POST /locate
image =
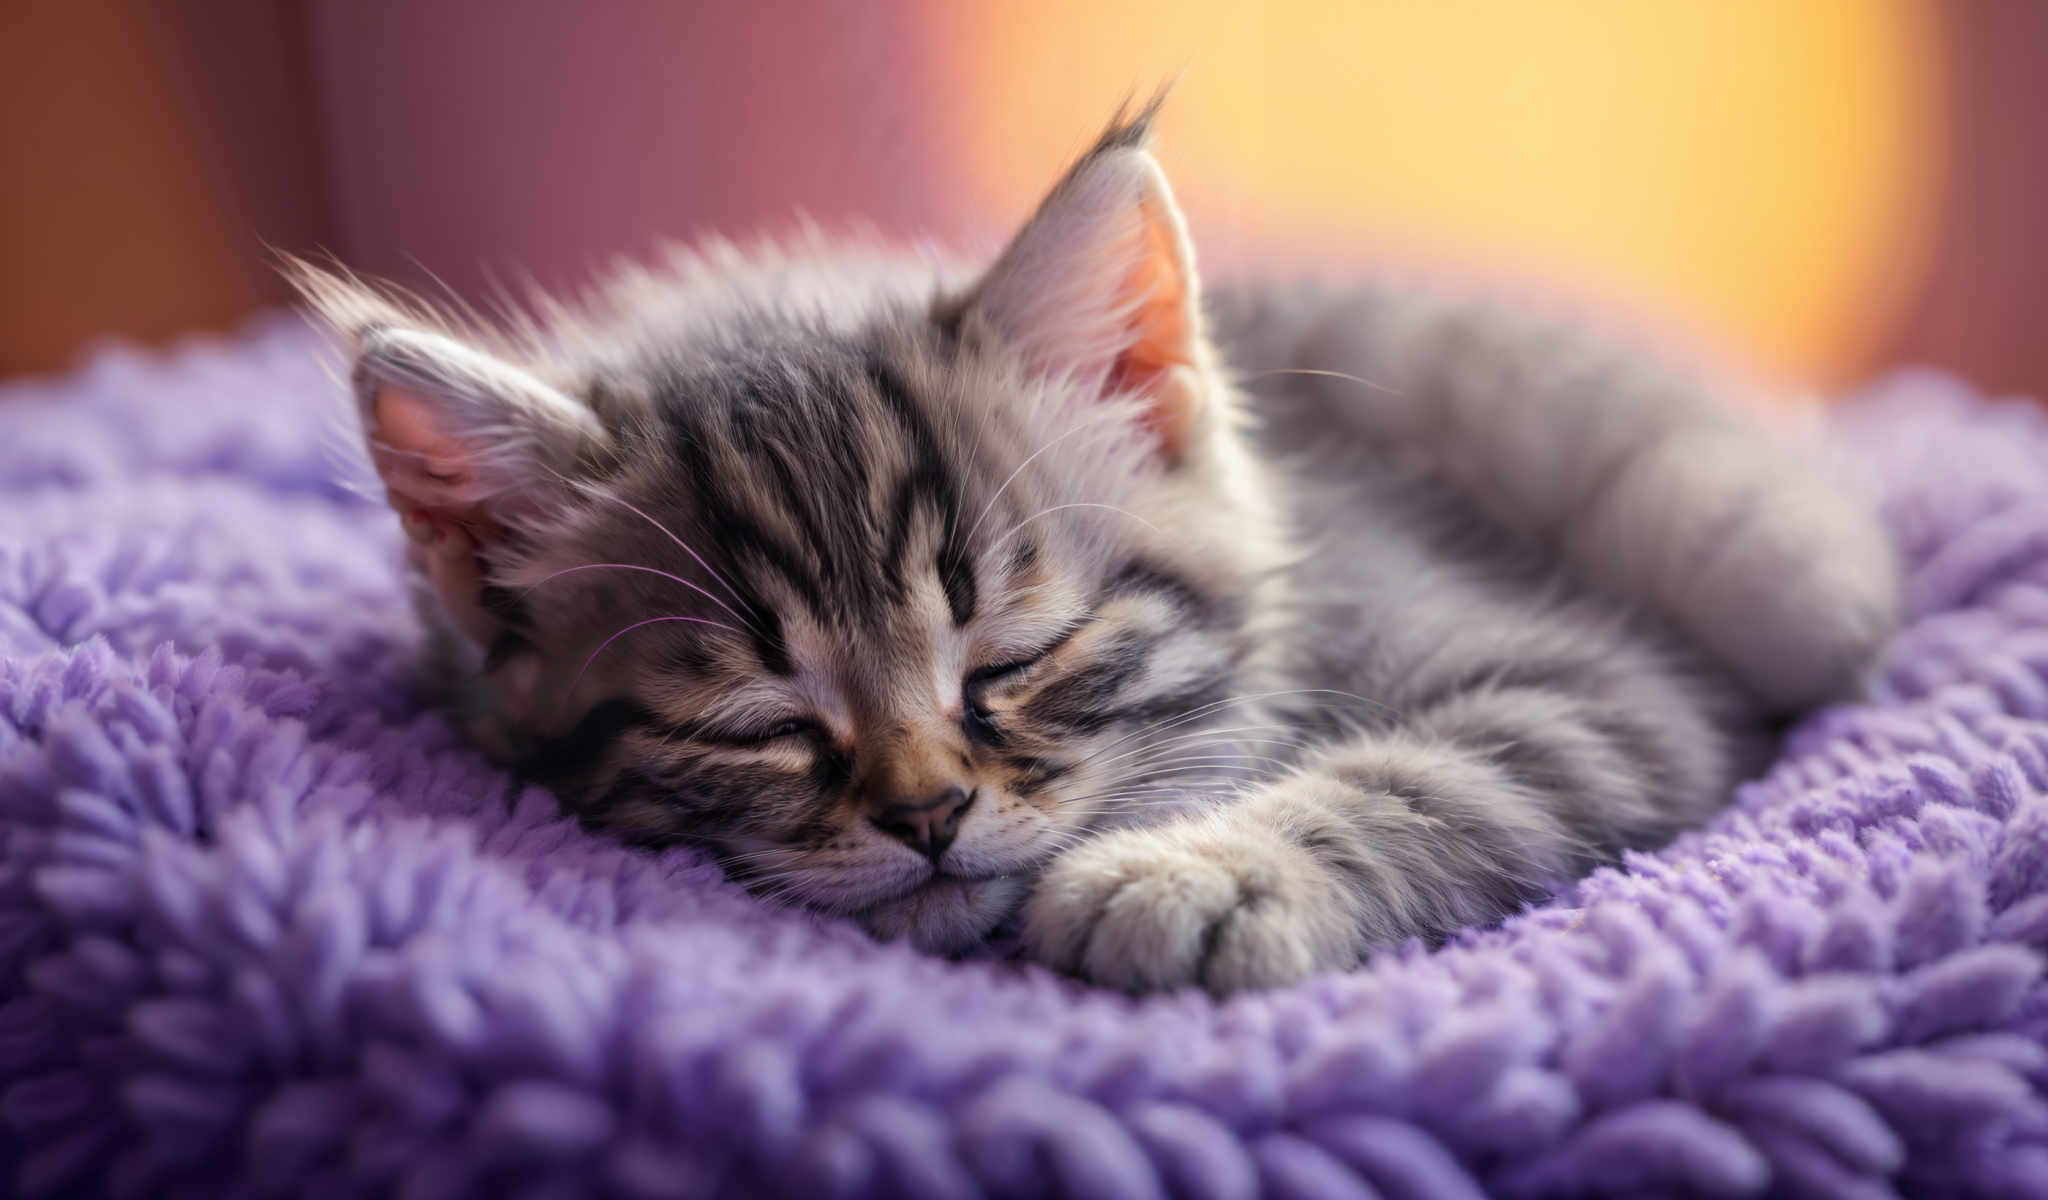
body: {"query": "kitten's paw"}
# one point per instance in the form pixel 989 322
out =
pixel 1210 903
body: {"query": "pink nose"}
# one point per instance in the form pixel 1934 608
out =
pixel 927 826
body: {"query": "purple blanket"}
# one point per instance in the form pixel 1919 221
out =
pixel 268 927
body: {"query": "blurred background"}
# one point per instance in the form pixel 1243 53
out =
pixel 1817 188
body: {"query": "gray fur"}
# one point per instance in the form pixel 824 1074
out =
pixel 1389 650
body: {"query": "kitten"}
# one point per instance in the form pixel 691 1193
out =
pixel 1227 637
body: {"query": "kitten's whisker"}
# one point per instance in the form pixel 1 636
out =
pixel 734 613
pixel 777 895
pixel 1143 798
pixel 1174 764
pixel 1111 805
pixel 698 558
pixel 1199 755
pixel 589 489
pixel 1043 512
pixel 795 891
pixel 780 887
pixel 1135 789
pixel 753 856
pixel 630 628
pixel 1248 765
pixel 1185 778
pixel 1260 765
pixel 1212 707
pixel 1220 736
pixel 1281 752
pixel 1378 387
pixel 990 506
pixel 1198 713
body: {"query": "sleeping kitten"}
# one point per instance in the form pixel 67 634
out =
pixel 1230 636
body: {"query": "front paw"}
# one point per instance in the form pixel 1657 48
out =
pixel 1207 902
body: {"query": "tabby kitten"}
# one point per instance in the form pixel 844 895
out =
pixel 1227 637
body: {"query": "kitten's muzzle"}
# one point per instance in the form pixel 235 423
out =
pixel 927 826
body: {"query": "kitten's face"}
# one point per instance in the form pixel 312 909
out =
pixel 942 625
pixel 882 587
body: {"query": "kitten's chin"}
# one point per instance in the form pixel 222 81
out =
pixel 946 916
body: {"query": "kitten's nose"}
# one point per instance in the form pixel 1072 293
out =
pixel 926 826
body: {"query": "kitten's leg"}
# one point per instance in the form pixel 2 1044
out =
pixel 1459 818
pixel 1634 471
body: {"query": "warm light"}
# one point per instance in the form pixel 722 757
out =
pixel 1758 171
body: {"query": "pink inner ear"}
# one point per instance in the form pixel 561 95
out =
pixel 429 481
pixel 427 473
pixel 413 454
pixel 1164 336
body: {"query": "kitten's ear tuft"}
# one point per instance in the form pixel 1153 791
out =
pixel 468 442
pixel 1100 285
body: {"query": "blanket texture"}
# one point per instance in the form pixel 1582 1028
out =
pixel 267 927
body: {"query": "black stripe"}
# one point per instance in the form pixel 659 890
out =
pixel 768 643
pixel 1138 577
pixel 947 312
pixel 1080 699
pixel 505 605
pixel 957 574
pixel 1248 898
pixel 982 731
pixel 1574 680
pixel 571 754
pixel 1561 775
pixel 755 797
pixel 902 511
pixel 896 398
pixel 738 539
pixel 1639 748
pixel 503 648
pixel 802 498
pixel 1036 771
pixel 930 479
pixel 1172 704
pixel 1332 849
pixel 1488 874
pixel 630 784
pixel 830 771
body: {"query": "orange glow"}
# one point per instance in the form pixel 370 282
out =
pixel 1757 173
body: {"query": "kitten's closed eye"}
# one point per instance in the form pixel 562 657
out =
pixel 764 733
pixel 1019 663
pixel 976 716
pixel 1001 670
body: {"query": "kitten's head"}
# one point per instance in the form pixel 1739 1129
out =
pixel 883 583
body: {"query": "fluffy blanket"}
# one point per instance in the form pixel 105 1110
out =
pixel 268 927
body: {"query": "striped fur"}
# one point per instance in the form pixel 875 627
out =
pixel 1356 662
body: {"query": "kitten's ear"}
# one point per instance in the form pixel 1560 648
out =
pixel 468 443
pixel 1100 286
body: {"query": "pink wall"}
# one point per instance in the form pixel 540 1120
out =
pixel 507 139
pixel 502 139
pixel 1980 308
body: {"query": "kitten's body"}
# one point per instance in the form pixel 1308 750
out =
pixel 919 597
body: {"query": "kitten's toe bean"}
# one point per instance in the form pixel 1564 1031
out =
pixel 1200 904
